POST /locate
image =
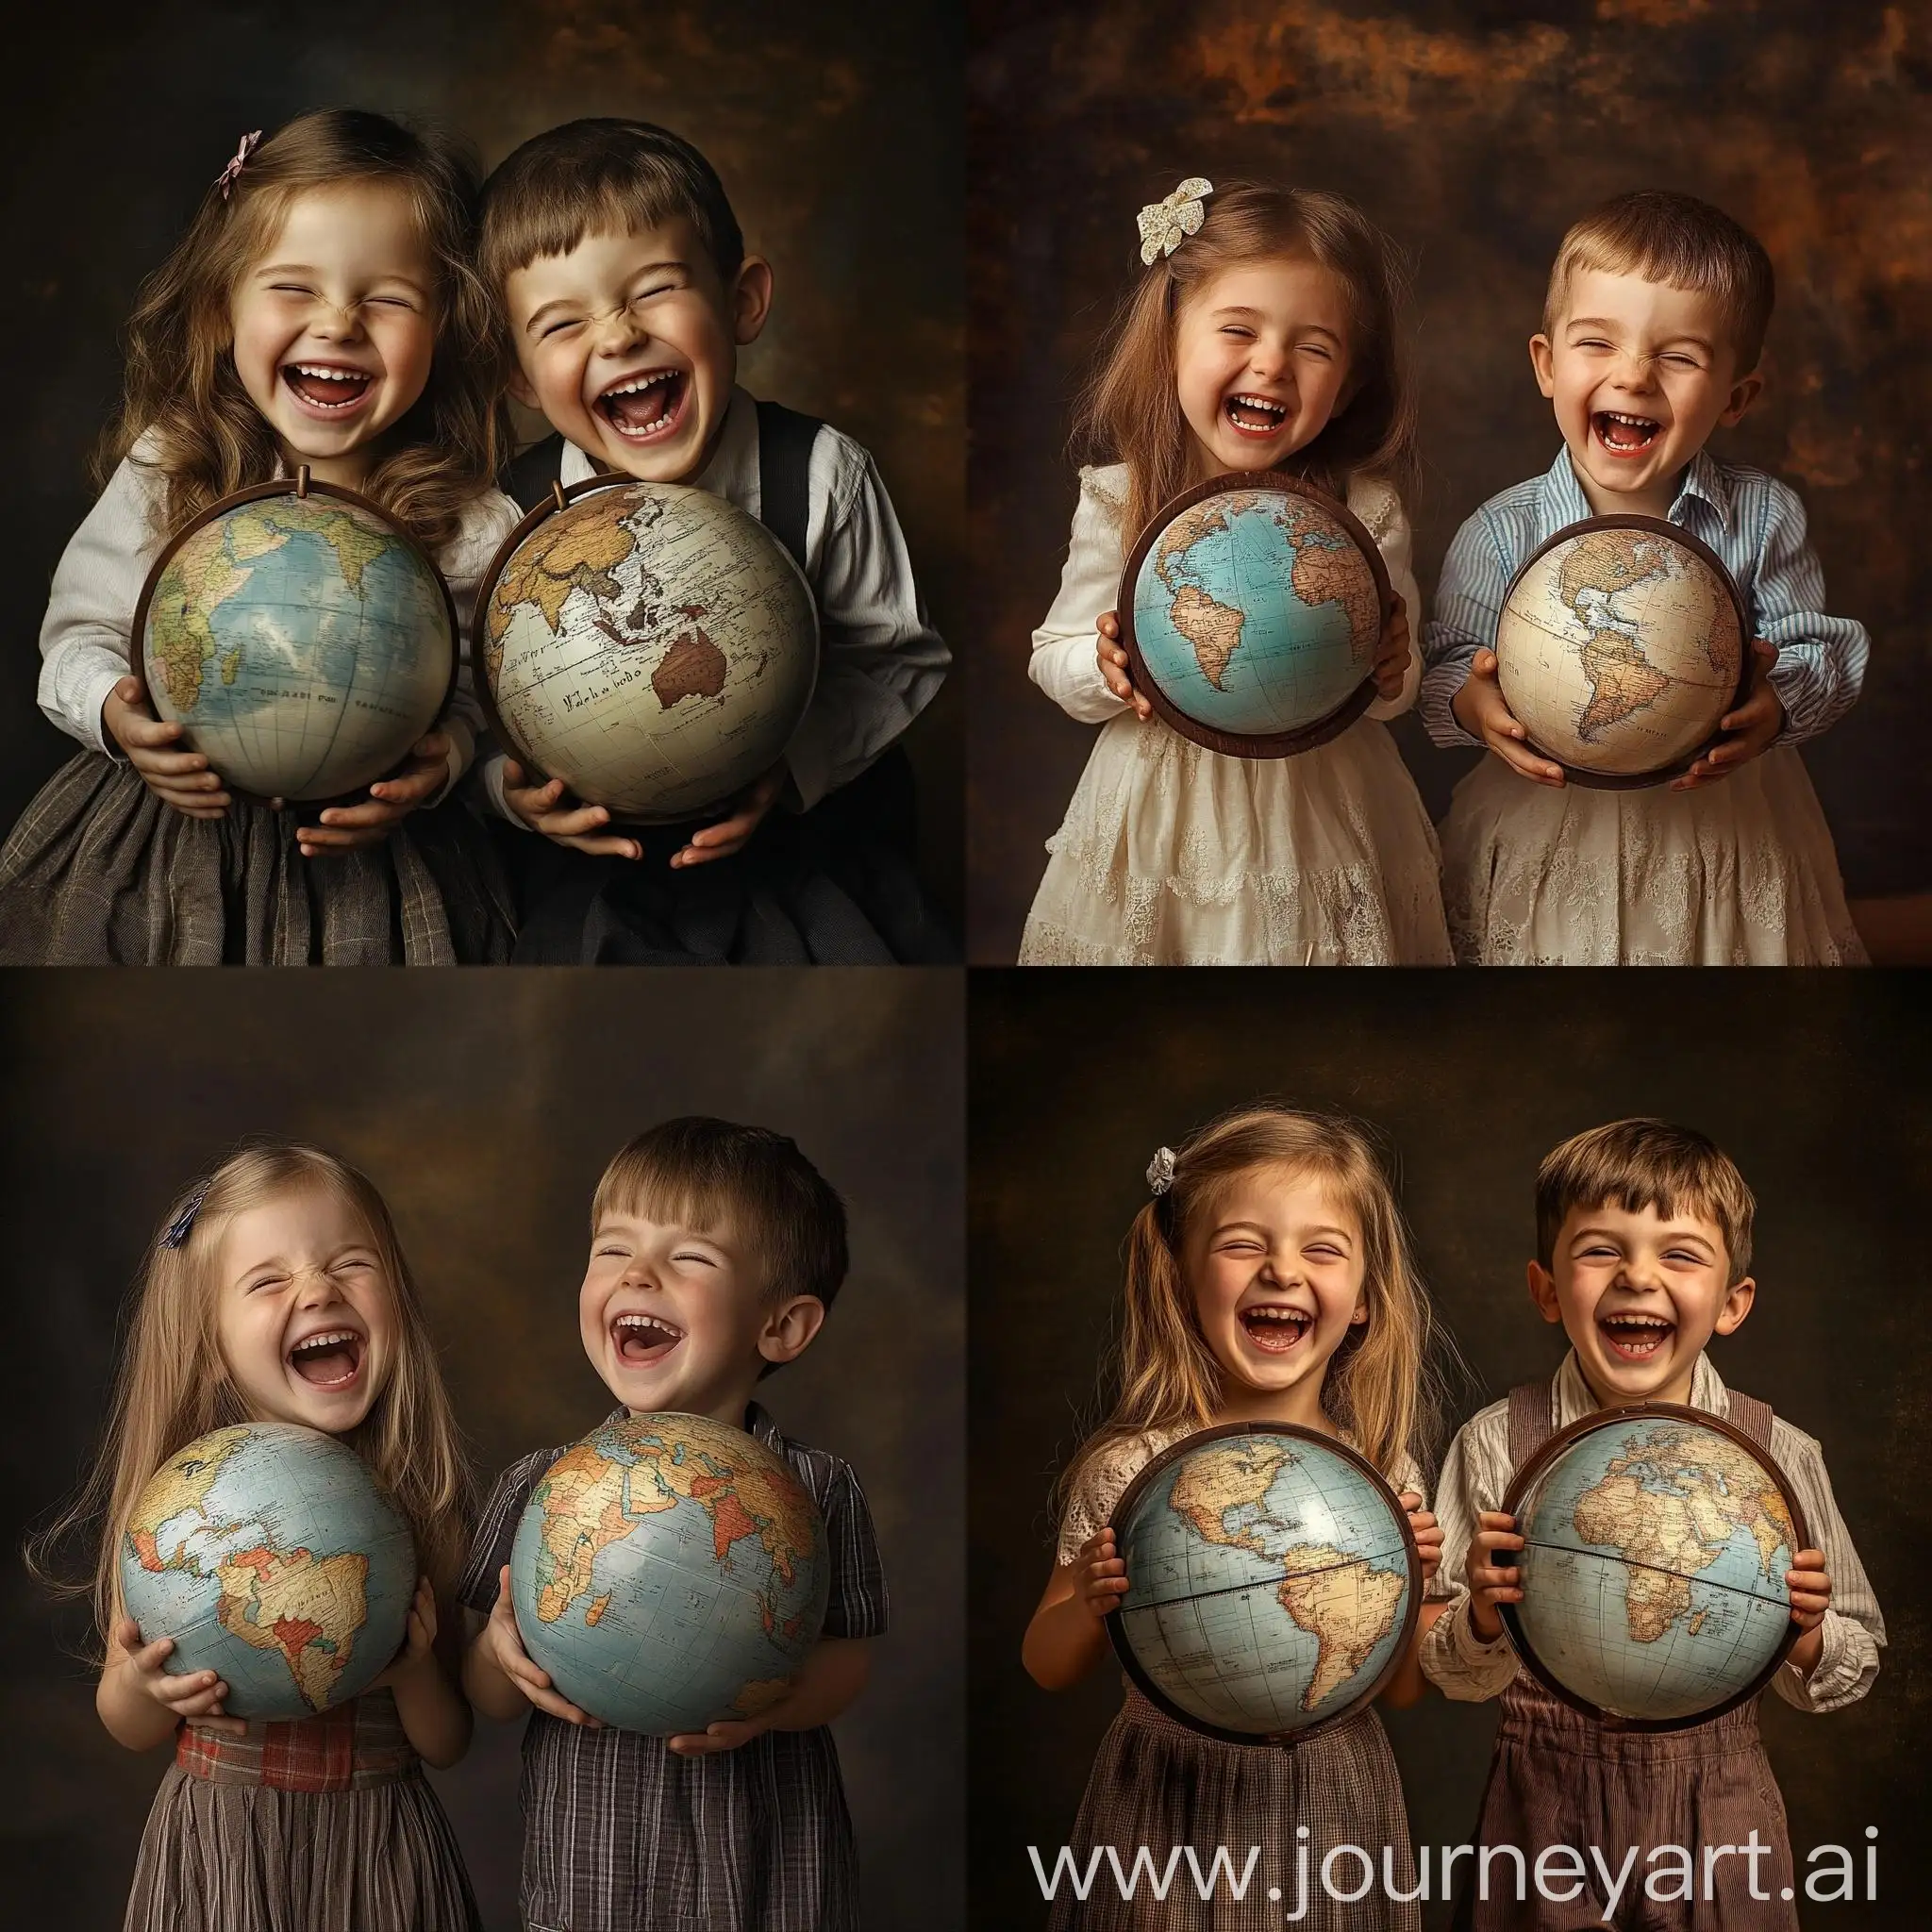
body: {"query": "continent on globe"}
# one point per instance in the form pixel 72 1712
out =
pixel 1328 574
pixel 178 1495
pixel 1214 1483
pixel 306 1608
pixel 693 666
pixel 564 554
pixel 1211 629
pixel 1622 679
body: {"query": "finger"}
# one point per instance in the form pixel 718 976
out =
pixel 1143 707
pixel 527 799
pixel 732 831
pixel 572 823
pixel 192 1695
pixel 126 1632
pixel 605 848
pixel 705 855
pixel 563 1708
pixel 1108 624
pixel 432 747
pixel 376 813
pixel 227 1726
pixel 139 728
pixel 150 1656
pixel 314 843
pixel 1411 1502
pixel 169 764
pixel 189 797
pixel 1483 664
pixel 409 787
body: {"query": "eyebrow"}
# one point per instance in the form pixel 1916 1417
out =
pixel 1306 328
pixel 1670 1234
pixel 305 268
pixel 1228 1227
pixel 1603 322
pixel 649 268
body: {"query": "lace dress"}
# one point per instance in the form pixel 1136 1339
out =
pixel 1170 855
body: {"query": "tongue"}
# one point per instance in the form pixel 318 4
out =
pixel 1252 418
pixel 328 388
pixel 1625 435
pixel 637 1342
pixel 639 408
pixel 329 1364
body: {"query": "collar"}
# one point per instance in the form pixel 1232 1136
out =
pixel 757 1423
pixel 1574 1399
pixel 1705 481
pixel 732 472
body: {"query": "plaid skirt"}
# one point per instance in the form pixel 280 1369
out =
pixel 1158 1783
pixel 98 872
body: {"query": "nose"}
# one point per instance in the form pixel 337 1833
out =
pixel 336 325
pixel 1633 372
pixel 316 1288
pixel 1266 360
pixel 620 332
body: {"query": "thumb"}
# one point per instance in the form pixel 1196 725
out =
pixel 127 690
pixel 1765 654
pixel 1484 664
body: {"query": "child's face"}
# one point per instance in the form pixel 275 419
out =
pixel 1640 374
pixel 1278 1274
pixel 1261 362
pixel 334 326
pixel 303 1311
pixel 1638 1295
pixel 629 345
pixel 677 1318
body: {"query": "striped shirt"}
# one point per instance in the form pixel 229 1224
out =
pixel 1476 1477
pixel 621 1834
pixel 1754 522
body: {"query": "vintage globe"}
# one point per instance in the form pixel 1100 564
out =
pixel 668 1571
pixel 1620 646
pixel 303 642
pixel 653 646
pixel 1252 609
pixel 1654 1573
pixel 271 1555
pixel 1273 1580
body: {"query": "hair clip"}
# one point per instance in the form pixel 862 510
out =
pixel 226 178
pixel 1160 1170
pixel 182 1225
pixel 1165 224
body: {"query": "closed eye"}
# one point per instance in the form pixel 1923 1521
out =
pixel 552 328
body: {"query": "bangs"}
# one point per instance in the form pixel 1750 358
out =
pixel 654 1190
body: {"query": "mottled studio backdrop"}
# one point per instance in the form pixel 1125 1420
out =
pixel 1475 134
pixel 837 130
pixel 1814 1084
pixel 485 1108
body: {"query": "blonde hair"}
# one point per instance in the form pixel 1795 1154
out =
pixel 1382 1384
pixel 1638 1164
pixel 173 1385
pixel 181 386
pixel 1683 242
pixel 1129 411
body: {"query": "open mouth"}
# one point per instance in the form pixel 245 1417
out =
pixel 642 1340
pixel 331 387
pixel 1276 1329
pixel 1634 1337
pixel 1621 434
pixel 330 1360
pixel 1255 415
pixel 644 408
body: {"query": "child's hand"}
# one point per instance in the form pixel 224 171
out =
pixel 1100 1577
pixel 506 1650
pixel 728 1734
pixel 1480 709
pixel 1492 1582
pixel 1428 1533
pixel 1810 1589
pixel 419 1638
pixel 1113 664
pixel 180 778
pixel 196 1696
pixel 542 809
pixel 733 834
pixel 390 801
pixel 1750 731
pixel 1391 654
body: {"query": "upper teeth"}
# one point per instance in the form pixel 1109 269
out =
pixel 1635 422
pixel 332 1340
pixel 327 372
pixel 1637 1320
pixel 1262 402
pixel 647 1322
pixel 1274 1314
pixel 640 382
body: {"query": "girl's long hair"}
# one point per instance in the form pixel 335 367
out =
pixel 173 1385
pixel 181 386
pixel 1129 411
pixel 1382 1386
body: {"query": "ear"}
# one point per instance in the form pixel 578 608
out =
pixel 1745 392
pixel 789 1328
pixel 520 388
pixel 1360 1312
pixel 1542 1292
pixel 1543 362
pixel 751 299
pixel 1730 1318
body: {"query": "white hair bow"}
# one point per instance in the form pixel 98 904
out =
pixel 1160 1170
pixel 1165 224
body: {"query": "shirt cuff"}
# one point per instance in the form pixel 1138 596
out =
pixel 490 776
pixel 99 688
pixel 462 748
pixel 1834 1678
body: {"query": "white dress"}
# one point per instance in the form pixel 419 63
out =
pixel 1170 855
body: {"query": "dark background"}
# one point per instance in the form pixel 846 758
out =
pixel 836 128
pixel 1475 134
pixel 485 1108
pixel 1814 1084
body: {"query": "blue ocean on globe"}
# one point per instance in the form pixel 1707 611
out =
pixel 1654 1579
pixel 1256 613
pixel 270 1556
pixel 1269 1581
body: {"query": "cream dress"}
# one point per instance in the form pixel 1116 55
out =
pixel 1170 855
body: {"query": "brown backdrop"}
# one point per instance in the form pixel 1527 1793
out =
pixel 484 1106
pixel 1474 133
pixel 1814 1084
pixel 837 130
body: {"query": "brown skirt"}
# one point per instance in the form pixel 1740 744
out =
pixel 98 872
pixel 1558 1778
pixel 1158 1783
pixel 220 1858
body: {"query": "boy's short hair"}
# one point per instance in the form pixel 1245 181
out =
pixel 1683 241
pixel 591 175
pixel 1636 1164
pixel 713 1174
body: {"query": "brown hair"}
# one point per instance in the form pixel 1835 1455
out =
pixel 574 180
pixel 1129 411
pixel 1382 1384
pixel 1682 242
pixel 712 1173
pixel 173 1385
pixel 1639 1164
pixel 181 386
